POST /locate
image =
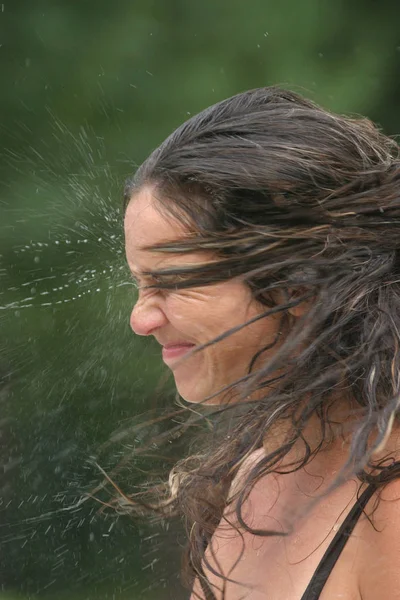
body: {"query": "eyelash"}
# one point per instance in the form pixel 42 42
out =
pixel 169 280
pixel 143 287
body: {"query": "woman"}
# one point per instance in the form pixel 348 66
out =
pixel 263 235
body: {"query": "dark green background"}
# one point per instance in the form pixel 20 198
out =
pixel 88 88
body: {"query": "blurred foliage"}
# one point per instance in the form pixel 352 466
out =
pixel 88 89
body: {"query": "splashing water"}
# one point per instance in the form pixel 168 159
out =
pixel 71 374
pixel 78 225
pixel 51 280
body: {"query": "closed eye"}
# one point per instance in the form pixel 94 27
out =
pixel 141 284
pixel 146 280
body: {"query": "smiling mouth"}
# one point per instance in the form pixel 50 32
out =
pixel 172 352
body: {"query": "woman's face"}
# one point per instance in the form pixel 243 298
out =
pixel 182 319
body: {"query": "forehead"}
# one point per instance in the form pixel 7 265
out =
pixel 146 223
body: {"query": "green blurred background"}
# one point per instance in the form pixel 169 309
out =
pixel 88 88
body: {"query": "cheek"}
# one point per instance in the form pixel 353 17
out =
pixel 183 312
pixel 247 341
pixel 190 307
pixel 210 312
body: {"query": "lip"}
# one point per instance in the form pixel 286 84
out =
pixel 171 352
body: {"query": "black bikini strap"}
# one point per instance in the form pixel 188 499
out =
pixel 336 546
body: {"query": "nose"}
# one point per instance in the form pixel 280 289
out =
pixel 146 317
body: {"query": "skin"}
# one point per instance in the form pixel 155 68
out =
pixel 281 567
pixel 195 315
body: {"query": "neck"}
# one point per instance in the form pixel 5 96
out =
pixel 329 439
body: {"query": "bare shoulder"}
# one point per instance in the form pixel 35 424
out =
pixel 379 556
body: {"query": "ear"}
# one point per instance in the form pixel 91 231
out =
pixel 300 293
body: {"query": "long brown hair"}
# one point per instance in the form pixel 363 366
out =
pixel 286 195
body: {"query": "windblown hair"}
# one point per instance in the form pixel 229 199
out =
pixel 286 196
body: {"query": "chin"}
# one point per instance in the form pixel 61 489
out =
pixel 192 393
pixel 190 396
pixel 194 387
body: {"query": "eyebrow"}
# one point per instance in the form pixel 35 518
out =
pixel 140 274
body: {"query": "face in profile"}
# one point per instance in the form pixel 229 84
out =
pixel 182 319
